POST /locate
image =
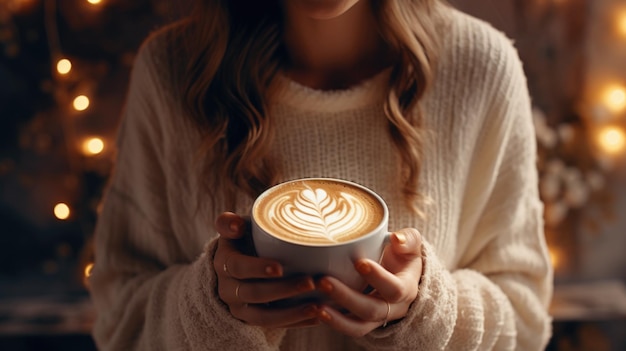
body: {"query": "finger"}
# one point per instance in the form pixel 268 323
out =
pixel 230 262
pixel 235 291
pixel 268 317
pixel 231 225
pixel 407 243
pixel 393 288
pixel 405 249
pixel 365 307
pixel 345 324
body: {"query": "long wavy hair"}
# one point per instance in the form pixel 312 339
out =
pixel 234 50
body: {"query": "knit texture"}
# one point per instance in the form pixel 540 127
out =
pixel 487 278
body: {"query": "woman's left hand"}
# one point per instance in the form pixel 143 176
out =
pixel 395 281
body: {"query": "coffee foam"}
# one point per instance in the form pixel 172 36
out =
pixel 318 212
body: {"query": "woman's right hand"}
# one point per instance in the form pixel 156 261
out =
pixel 249 284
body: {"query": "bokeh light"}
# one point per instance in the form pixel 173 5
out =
pixel 93 146
pixel 615 98
pixel 62 211
pixel 64 66
pixel 88 269
pixel 612 140
pixel 87 274
pixel 81 103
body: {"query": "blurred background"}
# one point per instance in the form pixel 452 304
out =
pixel 64 67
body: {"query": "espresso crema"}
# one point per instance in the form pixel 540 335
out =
pixel 318 212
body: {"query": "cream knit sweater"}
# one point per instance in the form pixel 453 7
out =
pixel 487 278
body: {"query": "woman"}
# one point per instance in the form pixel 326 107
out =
pixel 425 105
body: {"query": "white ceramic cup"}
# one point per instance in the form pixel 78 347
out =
pixel 334 259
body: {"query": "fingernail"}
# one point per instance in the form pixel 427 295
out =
pixel 363 267
pixel 306 285
pixel 325 286
pixel 400 238
pixel 273 271
pixel 234 226
pixel 324 316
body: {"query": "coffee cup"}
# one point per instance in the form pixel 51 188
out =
pixel 320 226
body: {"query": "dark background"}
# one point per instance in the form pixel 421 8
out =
pixel 569 52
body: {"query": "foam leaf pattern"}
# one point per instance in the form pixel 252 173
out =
pixel 316 215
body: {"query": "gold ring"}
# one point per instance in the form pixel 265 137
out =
pixel 237 291
pixel 388 312
pixel 225 267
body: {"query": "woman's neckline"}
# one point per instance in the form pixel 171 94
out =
pixel 367 92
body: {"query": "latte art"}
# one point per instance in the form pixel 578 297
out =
pixel 318 212
pixel 314 214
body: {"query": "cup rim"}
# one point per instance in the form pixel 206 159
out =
pixel 377 229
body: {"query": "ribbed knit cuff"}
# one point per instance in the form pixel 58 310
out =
pixel 430 319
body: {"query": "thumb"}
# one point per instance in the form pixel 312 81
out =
pixel 406 243
pixel 404 251
pixel 230 225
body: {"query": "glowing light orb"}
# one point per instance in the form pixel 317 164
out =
pixel 615 98
pixel 88 269
pixel 81 103
pixel 62 211
pixel 93 146
pixel 87 274
pixel 64 66
pixel 612 140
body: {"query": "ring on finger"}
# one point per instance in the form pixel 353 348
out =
pixel 225 267
pixel 387 315
pixel 237 291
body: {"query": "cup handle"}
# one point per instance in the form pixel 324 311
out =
pixel 387 238
pixel 386 241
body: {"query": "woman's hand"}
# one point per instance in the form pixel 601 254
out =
pixel 248 284
pixel 395 281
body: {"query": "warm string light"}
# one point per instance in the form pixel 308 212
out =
pixel 87 273
pixel 62 211
pixel 64 66
pixel 612 140
pixel 88 270
pixel 93 146
pixel 81 103
pixel 614 98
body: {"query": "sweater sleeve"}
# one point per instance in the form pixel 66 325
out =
pixel 496 296
pixel 148 293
